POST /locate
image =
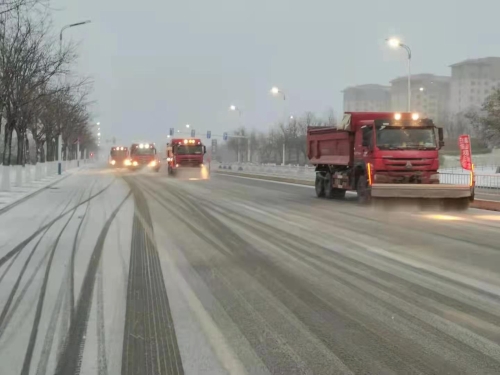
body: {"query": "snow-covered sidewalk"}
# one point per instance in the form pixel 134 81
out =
pixel 30 180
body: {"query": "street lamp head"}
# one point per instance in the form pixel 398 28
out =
pixel 394 42
pixel 232 108
pixel 98 124
pixel 275 90
pixel 291 117
pixel 187 125
pixel 421 89
pixel 98 134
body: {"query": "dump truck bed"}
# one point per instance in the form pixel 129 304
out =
pixel 329 145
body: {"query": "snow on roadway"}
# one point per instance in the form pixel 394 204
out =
pixel 36 295
pixel 260 277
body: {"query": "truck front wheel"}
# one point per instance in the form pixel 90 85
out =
pixel 319 186
pixel 363 191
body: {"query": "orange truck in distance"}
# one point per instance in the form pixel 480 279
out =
pixel 143 155
pixel 118 156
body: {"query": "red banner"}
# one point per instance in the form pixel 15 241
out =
pixel 465 151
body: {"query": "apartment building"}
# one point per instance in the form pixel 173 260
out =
pixel 367 98
pixel 472 81
pixel 429 95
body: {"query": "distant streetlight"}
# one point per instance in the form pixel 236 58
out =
pixel 396 43
pixel 291 117
pixel 233 108
pixel 67 27
pixel 421 89
pixel 98 134
pixel 98 124
pixel 187 125
pixel 276 91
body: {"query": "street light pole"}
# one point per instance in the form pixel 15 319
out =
pixel 397 43
pixel 234 108
pixel 276 91
pixel 67 27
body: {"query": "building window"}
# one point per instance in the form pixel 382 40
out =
pixel 472 83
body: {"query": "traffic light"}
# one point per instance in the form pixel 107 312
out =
pixel 192 132
pixel 224 136
pixel 209 134
pixel 172 131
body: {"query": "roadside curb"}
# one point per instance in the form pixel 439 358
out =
pixel 481 204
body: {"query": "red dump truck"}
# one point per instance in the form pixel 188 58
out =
pixel 383 155
pixel 143 155
pixel 185 154
pixel 118 156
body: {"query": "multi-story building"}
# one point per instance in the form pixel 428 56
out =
pixel 429 95
pixel 472 81
pixel 367 98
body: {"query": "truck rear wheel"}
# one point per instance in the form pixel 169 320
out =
pixel 330 191
pixel 364 194
pixel 319 186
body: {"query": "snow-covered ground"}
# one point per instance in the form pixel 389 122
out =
pixel 47 242
pixel 110 272
pixel 18 183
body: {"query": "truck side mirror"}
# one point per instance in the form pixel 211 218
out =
pixel 204 149
pixel 441 137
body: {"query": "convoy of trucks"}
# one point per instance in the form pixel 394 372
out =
pixel 383 155
pixel 185 154
pixel 379 155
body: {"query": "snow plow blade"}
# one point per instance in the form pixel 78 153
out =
pixel 422 191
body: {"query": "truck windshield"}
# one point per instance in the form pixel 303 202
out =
pixel 394 137
pixel 119 154
pixel 144 151
pixel 189 150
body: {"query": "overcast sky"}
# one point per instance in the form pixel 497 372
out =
pixel 165 63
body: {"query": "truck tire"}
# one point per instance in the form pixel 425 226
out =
pixel 319 186
pixel 330 191
pixel 364 196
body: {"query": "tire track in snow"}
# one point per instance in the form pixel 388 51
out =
pixel 150 343
pixel 69 362
pixel 25 242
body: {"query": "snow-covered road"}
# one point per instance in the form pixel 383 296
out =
pixel 109 272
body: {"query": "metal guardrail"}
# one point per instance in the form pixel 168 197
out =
pixel 485 176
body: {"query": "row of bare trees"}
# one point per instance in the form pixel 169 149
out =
pixel 267 147
pixel 40 98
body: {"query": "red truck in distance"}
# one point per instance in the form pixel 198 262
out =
pixel 185 153
pixel 383 155
pixel 118 156
pixel 144 155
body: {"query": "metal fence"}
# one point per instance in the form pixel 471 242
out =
pixel 485 176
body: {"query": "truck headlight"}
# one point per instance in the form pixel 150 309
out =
pixel 113 162
pixel 135 164
pixel 127 162
pixel 153 163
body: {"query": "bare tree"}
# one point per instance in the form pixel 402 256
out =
pixel 28 63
